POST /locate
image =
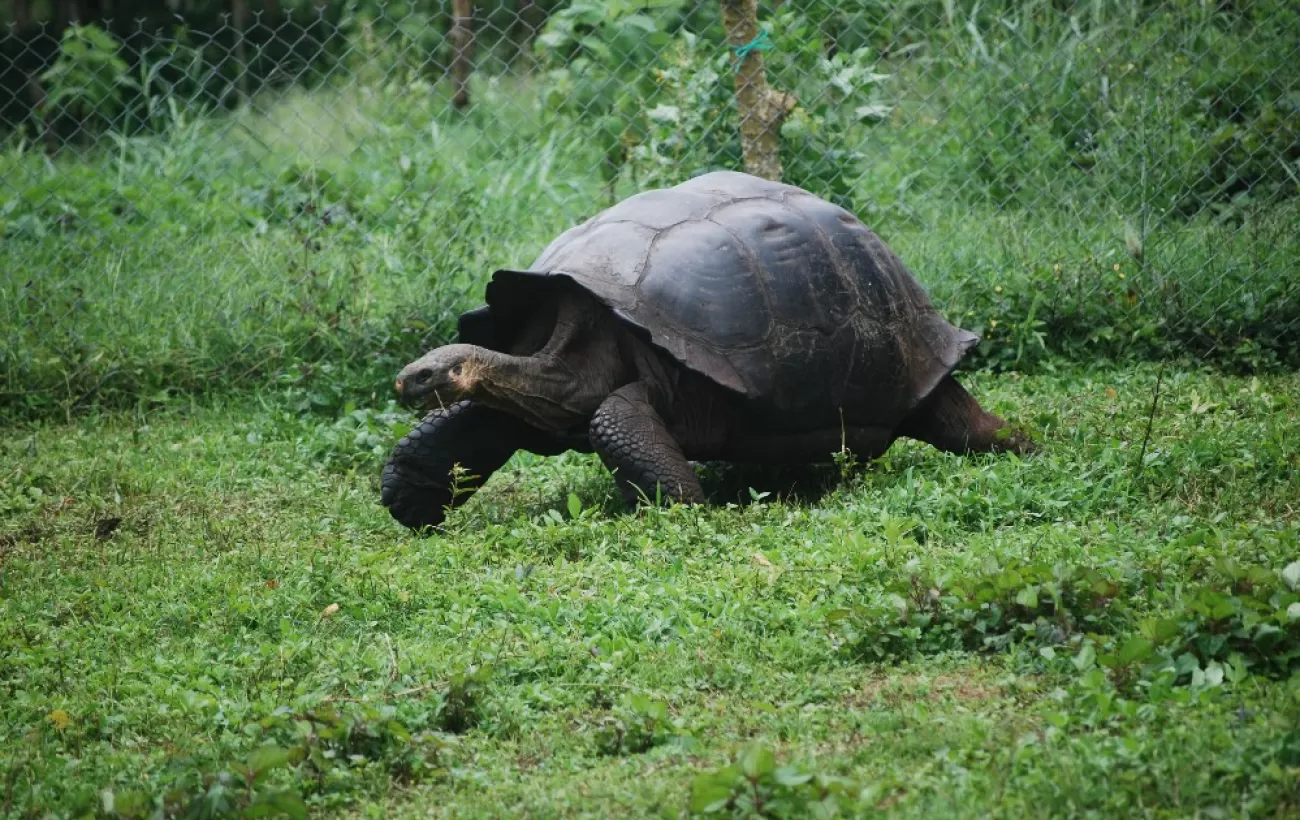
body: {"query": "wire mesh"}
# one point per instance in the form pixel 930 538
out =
pixel 199 195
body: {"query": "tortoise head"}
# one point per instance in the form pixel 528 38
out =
pixel 442 376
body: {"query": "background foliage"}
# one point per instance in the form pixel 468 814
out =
pixel 1102 180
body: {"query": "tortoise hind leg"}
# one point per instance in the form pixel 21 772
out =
pixel 951 420
pixel 636 446
pixel 417 483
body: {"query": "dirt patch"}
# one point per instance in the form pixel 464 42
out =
pixel 11 541
pixel 892 690
pixel 105 527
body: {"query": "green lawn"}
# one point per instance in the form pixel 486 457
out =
pixel 205 588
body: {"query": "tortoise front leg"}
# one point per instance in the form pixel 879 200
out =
pixel 952 420
pixel 635 445
pixel 416 483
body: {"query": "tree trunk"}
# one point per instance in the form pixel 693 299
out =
pixel 762 109
pixel 462 40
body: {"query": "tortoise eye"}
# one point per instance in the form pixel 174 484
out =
pixel 454 372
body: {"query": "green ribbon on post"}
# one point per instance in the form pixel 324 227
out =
pixel 760 43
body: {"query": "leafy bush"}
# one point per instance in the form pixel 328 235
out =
pixel 1034 603
pixel 88 78
pixel 1247 619
pixel 752 785
pixel 663 100
pixel 1244 618
pixel 1164 132
pixel 636 725
pixel 296 757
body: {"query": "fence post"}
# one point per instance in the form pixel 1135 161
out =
pixel 761 107
pixel 462 39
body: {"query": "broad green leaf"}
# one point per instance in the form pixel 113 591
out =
pixel 710 793
pixel 1291 575
pixel 757 760
pixel 265 758
pixel 1222 609
pixel 665 113
pixel 1086 658
pixel 1213 673
pixel 1158 630
pixel 640 21
pixel 790 776
pixel 874 111
pixel 1137 648
pixel 1186 664
pixel 575 505
pixel 552 39
pixel 1028 597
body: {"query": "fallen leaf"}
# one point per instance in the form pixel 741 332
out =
pixel 60 719
pixel 1111 393
pixel 329 610
pixel 272 584
pixel 762 559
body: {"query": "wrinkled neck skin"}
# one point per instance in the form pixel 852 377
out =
pixel 538 389
pixel 560 386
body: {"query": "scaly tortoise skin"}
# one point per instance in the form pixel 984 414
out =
pixel 728 318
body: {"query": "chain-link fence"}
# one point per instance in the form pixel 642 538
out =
pixel 206 193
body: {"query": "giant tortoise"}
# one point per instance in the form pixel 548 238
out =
pixel 728 318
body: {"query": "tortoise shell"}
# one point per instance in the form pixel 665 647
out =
pixel 783 298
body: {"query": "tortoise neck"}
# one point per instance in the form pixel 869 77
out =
pixel 537 388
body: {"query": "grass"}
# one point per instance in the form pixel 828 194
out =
pixel 182 589
pixel 237 249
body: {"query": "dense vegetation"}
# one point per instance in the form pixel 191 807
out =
pixel 205 613
pixel 1062 191
pixel 206 608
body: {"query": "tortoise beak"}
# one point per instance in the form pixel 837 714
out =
pixel 399 385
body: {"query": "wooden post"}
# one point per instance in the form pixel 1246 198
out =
pixel 762 108
pixel 462 40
